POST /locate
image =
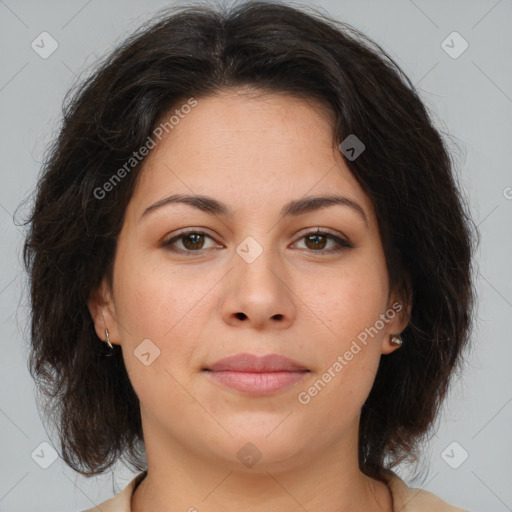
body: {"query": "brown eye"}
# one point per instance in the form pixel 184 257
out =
pixel 194 242
pixel 317 241
pixel 191 241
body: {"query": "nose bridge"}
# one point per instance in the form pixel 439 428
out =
pixel 258 292
pixel 257 264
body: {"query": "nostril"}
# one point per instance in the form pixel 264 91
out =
pixel 241 316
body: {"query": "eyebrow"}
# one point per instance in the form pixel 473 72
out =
pixel 293 208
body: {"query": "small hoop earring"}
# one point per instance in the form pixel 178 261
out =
pixel 108 340
pixel 396 340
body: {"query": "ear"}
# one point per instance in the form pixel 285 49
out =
pixel 103 314
pixel 399 314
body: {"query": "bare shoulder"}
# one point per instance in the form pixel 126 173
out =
pixel 410 499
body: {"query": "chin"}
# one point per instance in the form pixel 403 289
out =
pixel 265 449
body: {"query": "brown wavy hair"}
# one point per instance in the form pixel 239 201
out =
pixel 406 170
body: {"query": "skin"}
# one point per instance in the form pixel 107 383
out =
pixel 255 153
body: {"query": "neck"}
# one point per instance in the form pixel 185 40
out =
pixel 179 479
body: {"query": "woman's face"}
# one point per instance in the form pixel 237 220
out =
pixel 254 279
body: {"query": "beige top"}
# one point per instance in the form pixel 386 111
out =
pixel 405 499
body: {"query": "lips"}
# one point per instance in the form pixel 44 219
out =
pixel 260 364
pixel 256 375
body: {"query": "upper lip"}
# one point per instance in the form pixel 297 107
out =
pixel 253 363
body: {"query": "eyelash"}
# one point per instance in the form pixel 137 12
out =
pixel 340 243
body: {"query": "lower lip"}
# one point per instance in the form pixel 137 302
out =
pixel 257 383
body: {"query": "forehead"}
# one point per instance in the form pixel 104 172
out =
pixel 247 147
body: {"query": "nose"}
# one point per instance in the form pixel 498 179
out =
pixel 258 294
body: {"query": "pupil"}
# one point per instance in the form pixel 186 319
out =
pixel 195 237
pixel 317 237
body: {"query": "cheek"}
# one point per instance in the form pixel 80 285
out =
pixel 155 299
pixel 167 308
pixel 346 310
pixel 340 386
pixel 346 305
pixel 160 318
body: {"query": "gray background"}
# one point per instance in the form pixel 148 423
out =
pixel 471 97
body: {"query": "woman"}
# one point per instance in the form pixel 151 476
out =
pixel 252 208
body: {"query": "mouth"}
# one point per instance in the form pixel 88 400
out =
pixel 256 375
